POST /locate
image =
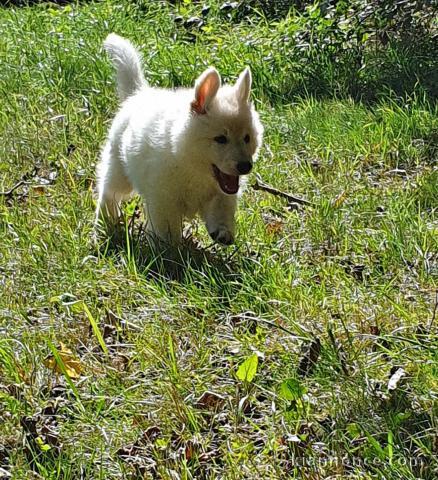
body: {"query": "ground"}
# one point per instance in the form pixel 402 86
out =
pixel 306 350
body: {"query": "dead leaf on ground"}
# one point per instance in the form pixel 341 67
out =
pixel 72 366
pixel 274 227
pixel 139 454
pixel 142 443
pixel 209 400
pixel 190 450
pixel 139 458
pixel 39 189
pixel 119 362
pixel 41 433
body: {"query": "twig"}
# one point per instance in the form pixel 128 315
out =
pixel 24 180
pixel 260 185
pixel 9 192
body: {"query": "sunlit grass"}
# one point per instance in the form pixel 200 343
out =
pixel 358 271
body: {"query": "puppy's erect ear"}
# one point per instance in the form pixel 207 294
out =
pixel 243 85
pixel 206 87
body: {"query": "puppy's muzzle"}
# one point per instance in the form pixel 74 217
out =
pixel 244 167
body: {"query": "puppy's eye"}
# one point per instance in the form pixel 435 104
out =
pixel 246 138
pixel 221 139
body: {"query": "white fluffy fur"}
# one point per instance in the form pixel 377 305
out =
pixel 162 145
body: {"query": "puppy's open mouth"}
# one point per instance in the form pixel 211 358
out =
pixel 228 183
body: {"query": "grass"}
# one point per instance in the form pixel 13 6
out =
pixel 106 356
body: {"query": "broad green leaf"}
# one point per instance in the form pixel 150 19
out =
pixel 248 369
pixel 291 389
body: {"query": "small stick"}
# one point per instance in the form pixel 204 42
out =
pixel 260 185
pixel 23 181
pixel 9 192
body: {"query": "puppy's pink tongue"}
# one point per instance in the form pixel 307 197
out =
pixel 228 183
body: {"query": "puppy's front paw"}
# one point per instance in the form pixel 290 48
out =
pixel 222 235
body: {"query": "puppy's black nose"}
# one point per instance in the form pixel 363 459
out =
pixel 244 167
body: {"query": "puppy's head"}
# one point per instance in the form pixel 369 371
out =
pixel 228 128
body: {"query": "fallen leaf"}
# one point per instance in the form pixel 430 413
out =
pixel 274 227
pixel 209 400
pixel 22 374
pixel 72 366
pixel 39 189
pixel 190 450
pixel 139 454
pixel 119 362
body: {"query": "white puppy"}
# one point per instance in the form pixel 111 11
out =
pixel 182 150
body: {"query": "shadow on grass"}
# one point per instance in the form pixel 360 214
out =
pixel 187 264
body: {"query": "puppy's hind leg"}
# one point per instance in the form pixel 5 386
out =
pixel 218 215
pixel 113 187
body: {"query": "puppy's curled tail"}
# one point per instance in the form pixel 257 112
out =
pixel 127 61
